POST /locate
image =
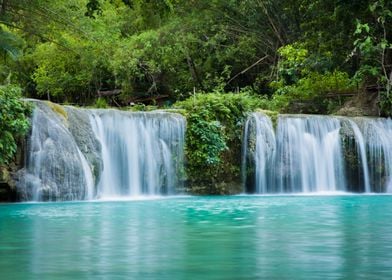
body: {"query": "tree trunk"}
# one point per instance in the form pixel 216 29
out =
pixel 192 69
pixel 3 6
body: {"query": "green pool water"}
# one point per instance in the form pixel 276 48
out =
pixel 239 237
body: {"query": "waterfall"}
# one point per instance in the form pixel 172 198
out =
pixel 317 154
pixel 362 151
pixel 263 148
pixel 142 152
pixel 79 154
pixel 309 155
pixel 55 167
pixel 378 138
pixel 88 176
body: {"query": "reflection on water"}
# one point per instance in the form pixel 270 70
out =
pixel 243 237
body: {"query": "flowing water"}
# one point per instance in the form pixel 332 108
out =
pixel 307 153
pixel 142 152
pixel 239 237
pixel 378 134
pixel 55 167
pixel 81 154
pixel 264 150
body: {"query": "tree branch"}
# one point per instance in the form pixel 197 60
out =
pixel 248 68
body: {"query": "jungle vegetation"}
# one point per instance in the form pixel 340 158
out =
pixel 124 51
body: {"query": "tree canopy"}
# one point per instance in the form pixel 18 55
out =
pixel 75 50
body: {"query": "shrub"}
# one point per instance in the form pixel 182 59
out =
pixel 213 139
pixel 101 103
pixel 14 121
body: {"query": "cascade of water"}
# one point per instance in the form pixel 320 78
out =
pixel 109 153
pixel 89 190
pixel 55 167
pixel 362 152
pixel 378 138
pixel 314 154
pixel 76 154
pixel 309 156
pixel 262 146
pixel 304 156
pixel 142 152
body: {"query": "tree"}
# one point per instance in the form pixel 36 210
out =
pixel 373 47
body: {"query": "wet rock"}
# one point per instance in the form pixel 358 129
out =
pixel 53 170
pixel 80 127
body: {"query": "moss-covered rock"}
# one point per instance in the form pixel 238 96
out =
pixel 273 115
pixel 7 185
pixel 80 127
pixel 351 157
pixel 58 109
pixel 53 169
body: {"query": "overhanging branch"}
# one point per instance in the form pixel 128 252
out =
pixel 248 68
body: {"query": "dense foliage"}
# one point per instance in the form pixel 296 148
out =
pixel 71 51
pixel 13 121
pixel 213 139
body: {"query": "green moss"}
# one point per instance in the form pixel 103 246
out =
pixel 141 108
pixel 273 115
pixel 4 174
pixel 177 111
pixel 58 109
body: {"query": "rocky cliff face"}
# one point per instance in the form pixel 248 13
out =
pixel 7 188
pixel 8 192
pixel 362 104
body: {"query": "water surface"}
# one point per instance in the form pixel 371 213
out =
pixel 240 237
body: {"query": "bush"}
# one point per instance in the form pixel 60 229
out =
pixel 306 78
pixel 69 73
pixel 101 103
pixel 14 121
pixel 213 139
pixel 313 88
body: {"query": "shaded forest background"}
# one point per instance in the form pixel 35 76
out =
pixel 157 52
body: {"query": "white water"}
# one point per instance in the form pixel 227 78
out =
pixel 378 137
pixel 264 148
pixel 309 155
pixel 362 151
pixel 89 190
pixel 120 154
pixel 142 155
pixel 55 167
pixel 141 152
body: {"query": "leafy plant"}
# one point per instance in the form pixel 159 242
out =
pixel 10 44
pixel 14 121
pixel 373 45
pixel 62 73
pixel 101 103
pixel 303 76
pixel 206 139
pixel 213 138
